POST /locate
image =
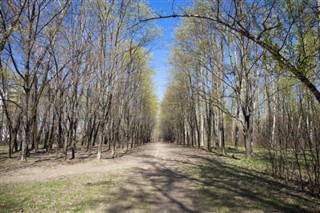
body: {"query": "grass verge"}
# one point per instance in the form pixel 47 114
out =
pixel 65 194
pixel 225 185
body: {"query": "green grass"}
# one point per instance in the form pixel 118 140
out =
pixel 261 161
pixel 257 161
pixel 67 194
pixel 224 185
pixel 238 157
pixel 3 149
pixel 81 193
pixel 217 184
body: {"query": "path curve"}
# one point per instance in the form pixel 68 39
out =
pixel 151 168
pixel 163 177
pixel 140 157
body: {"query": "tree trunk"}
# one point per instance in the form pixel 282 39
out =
pixel 25 142
pixel 248 136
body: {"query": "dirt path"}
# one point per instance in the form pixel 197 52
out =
pixel 150 169
pixel 140 157
pixel 157 179
pixel 162 177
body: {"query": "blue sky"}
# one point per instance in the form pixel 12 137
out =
pixel 161 47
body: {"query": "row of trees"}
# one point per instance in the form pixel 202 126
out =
pixel 75 72
pixel 247 73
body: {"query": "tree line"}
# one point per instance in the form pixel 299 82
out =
pixel 246 73
pixel 75 73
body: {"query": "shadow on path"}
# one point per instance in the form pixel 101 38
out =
pixel 182 184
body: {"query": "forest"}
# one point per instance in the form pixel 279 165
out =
pixel 75 73
pixel 247 75
pixel 244 88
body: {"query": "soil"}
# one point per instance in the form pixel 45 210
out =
pixel 42 167
pixel 155 175
pixel 157 163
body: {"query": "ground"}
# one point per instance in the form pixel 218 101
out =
pixel 156 177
